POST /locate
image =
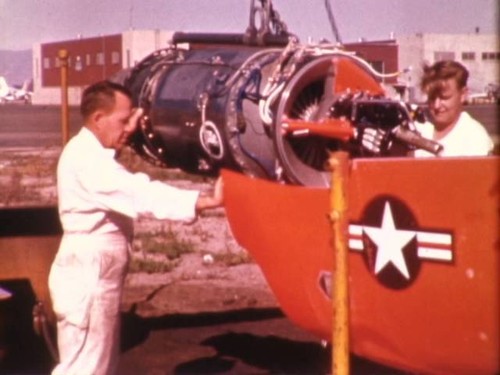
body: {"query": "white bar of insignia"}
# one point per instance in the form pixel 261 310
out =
pixel 434 238
pixel 355 230
pixel 435 254
pixel 356 245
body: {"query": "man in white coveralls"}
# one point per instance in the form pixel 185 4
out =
pixel 98 201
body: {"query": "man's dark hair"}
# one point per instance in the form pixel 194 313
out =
pixel 435 75
pixel 101 95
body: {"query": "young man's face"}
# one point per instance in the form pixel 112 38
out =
pixel 114 127
pixel 446 104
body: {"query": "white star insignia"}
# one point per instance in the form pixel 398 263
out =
pixel 390 242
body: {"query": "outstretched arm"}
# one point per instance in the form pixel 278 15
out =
pixel 214 200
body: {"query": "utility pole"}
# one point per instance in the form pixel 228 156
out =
pixel 63 58
pixel 339 216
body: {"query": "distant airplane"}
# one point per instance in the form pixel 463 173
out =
pixel 491 94
pixel 13 93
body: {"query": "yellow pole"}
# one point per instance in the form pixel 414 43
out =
pixel 63 58
pixel 339 162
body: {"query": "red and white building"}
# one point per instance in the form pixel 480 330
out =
pixel 90 60
pixel 95 58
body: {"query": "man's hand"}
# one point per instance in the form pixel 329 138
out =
pixel 214 200
pixel 372 139
pixel 218 195
pixel 128 129
pixel 133 120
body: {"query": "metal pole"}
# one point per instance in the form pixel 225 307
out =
pixel 339 162
pixel 63 58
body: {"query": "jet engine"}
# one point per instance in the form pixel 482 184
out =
pixel 216 101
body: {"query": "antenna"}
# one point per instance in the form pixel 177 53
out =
pixel 131 13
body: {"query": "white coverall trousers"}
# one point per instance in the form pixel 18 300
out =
pixel 86 282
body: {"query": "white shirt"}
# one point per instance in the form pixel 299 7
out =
pixel 467 138
pixel 98 195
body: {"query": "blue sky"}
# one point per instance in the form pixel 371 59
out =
pixel 24 22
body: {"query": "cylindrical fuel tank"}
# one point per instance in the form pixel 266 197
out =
pixel 220 106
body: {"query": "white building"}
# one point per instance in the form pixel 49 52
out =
pixel 479 53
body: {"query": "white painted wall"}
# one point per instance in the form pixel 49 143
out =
pixel 415 50
pixel 137 44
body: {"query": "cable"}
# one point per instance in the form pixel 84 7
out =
pixel 333 24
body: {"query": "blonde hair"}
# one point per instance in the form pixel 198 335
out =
pixel 435 76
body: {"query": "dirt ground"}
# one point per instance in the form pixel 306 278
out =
pixel 176 267
pixel 203 280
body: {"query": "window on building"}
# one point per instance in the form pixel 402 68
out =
pixel 78 63
pixel 468 56
pixel 46 63
pixel 444 55
pixel 57 62
pixel 490 55
pixel 99 59
pixel 88 59
pixel 378 66
pixel 115 57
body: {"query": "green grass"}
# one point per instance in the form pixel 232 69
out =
pixel 230 258
pixel 166 243
pixel 150 266
pixel 202 234
pixel 31 165
pixel 160 250
pixel 23 175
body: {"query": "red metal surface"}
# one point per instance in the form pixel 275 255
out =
pixel 352 77
pixel 331 128
pixel 445 319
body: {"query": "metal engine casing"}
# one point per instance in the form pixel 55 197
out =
pixel 196 118
pixel 218 106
